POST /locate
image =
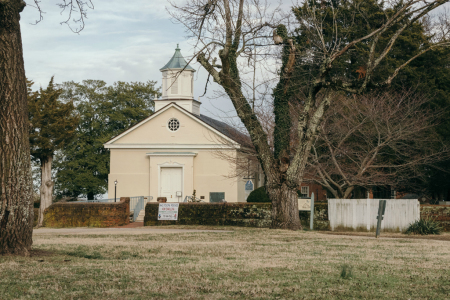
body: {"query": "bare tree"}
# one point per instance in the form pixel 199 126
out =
pixel 311 66
pixel 16 210
pixel 374 140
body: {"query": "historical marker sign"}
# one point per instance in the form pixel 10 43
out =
pixel 249 186
pixel 168 211
pixel 304 204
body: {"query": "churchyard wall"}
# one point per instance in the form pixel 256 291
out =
pixel 84 214
pixel 439 213
pixel 233 214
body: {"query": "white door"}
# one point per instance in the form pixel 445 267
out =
pixel 171 183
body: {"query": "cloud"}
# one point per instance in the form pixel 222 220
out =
pixel 120 42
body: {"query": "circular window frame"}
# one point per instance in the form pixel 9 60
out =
pixel 171 124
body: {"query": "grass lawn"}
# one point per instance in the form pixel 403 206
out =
pixel 243 264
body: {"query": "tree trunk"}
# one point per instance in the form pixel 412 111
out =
pixel 46 188
pixel 284 207
pixel 348 192
pixel 16 205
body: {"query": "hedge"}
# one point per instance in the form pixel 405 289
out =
pixel 235 214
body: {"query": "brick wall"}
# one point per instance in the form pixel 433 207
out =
pixel 76 214
pixel 234 214
pixel 440 213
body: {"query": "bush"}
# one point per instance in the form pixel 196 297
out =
pixel 259 195
pixel 346 271
pixel 424 227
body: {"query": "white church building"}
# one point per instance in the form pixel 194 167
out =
pixel 176 150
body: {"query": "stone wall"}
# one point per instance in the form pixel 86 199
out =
pixel 233 214
pixel 320 220
pixel 440 213
pixel 76 214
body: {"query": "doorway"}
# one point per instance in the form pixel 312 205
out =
pixel 172 184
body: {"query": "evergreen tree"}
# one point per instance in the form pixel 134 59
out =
pixel 428 74
pixel 52 125
pixel 105 111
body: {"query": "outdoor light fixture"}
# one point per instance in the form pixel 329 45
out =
pixel 115 189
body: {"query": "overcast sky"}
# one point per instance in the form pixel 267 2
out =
pixel 121 41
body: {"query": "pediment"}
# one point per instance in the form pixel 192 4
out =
pixel 158 129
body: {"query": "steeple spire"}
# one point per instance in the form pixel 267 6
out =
pixel 177 61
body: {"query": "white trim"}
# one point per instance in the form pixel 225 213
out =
pixel 170 146
pixel 171 165
pixel 160 112
pixel 171 154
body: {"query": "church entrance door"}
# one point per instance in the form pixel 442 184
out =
pixel 171 184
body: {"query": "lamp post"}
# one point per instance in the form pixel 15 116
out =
pixel 115 189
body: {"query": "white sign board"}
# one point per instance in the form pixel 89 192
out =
pixel 168 211
pixel 304 204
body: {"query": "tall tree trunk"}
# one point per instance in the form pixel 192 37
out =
pixel 16 205
pixel 284 207
pixel 46 187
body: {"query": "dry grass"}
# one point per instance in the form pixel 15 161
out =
pixel 246 263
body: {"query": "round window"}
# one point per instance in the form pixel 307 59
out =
pixel 173 124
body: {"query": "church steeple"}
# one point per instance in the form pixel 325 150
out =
pixel 178 84
pixel 177 62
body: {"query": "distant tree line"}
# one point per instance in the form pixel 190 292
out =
pixel 95 112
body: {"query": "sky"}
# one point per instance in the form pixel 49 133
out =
pixel 120 42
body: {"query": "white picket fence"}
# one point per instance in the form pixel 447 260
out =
pixel 361 214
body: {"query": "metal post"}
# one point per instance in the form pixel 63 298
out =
pixel 381 210
pixel 311 218
pixel 115 190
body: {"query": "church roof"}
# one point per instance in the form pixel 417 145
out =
pixel 225 129
pixel 177 62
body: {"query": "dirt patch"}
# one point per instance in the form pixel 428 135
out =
pixel 441 237
pixel 41 253
pixel 130 225
pixel 32 253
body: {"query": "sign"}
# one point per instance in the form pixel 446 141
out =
pixel 304 204
pixel 168 211
pixel 249 186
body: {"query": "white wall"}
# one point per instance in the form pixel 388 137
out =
pixel 362 214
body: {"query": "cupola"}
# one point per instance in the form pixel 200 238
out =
pixel 178 84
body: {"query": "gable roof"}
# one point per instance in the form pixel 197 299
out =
pixel 218 127
pixel 224 128
pixel 177 62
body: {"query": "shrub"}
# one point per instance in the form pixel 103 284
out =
pixel 424 227
pixel 258 195
pixel 346 271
